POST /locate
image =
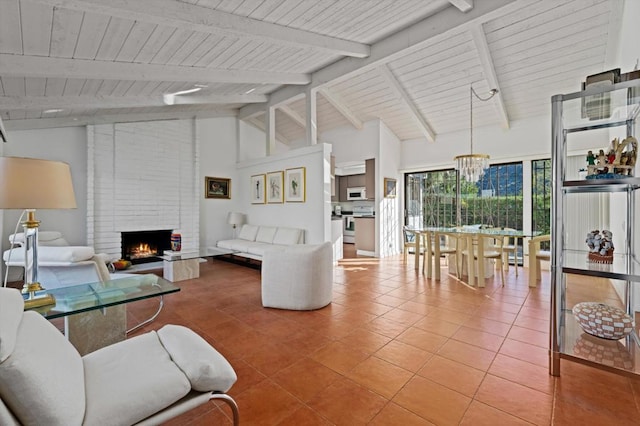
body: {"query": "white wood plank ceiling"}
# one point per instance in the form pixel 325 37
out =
pixel 407 62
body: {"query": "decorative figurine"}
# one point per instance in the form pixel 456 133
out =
pixel 600 246
pixel 619 162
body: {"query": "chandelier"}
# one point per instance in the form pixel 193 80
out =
pixel 472 166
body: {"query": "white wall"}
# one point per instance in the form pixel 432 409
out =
pixel 143 176
pixel 66 144
pixel 352 145
pixel 217 140
pixel 314 215
pixel 389 210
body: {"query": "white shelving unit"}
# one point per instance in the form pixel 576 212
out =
pixel 568 341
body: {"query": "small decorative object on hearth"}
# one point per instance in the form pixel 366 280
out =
pixel 600 246
pixel 604 321
pixel 176 241
pixel 618 162
pixel 121 264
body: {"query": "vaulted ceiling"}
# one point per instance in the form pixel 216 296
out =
pixel 407 62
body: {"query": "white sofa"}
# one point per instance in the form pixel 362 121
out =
pixel 254 240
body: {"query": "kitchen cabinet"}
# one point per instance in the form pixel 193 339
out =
pixel 576 113
pixel 342 188
pixel 350 181
pixel 365 235
pixel 355 181
pixel 370 178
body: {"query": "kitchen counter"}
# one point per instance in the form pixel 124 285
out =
pixel 365 235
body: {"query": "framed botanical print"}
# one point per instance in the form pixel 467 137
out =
pixel 258 192
pixel 295 185
pixel 215 187
pixel 389 188
pixel 275 193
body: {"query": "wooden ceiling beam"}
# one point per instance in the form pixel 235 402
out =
pixel 489 71
pixel 402 94
pixel 432 29
pixel 462 5
pixel 286 109
pixel 46 67
pixel 40 103
pixel 167 113
pixel 192 17
pixel 342 108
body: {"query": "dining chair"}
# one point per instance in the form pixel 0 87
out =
pixel 409 242
pixel 535 256
pixel 491 249
pixel 510 245
pixel 445 243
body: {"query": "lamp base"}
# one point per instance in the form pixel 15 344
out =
pixel 36 301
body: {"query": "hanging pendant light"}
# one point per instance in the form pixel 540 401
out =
pixel 472 166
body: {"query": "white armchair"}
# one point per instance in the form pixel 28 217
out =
pixel 148 379
pixel 297 277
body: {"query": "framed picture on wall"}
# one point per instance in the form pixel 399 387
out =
pixel 258 189
pixel 295 185
pixel 215 187
pixel 275 193
pixel 389 188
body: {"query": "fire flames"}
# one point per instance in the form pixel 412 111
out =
pixel 142 250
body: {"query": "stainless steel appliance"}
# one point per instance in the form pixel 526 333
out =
pixel 337 210
pixel 357 193
pixel 348 229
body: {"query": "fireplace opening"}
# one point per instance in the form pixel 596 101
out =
pixel 145 246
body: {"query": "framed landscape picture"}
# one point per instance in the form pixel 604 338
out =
pixel 389 188
pixel 215 187
pixel 295 185
pixel 275 193
pixel 258 189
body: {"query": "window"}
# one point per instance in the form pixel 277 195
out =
pixel 495 200
pixel 541 196
pixel 431 198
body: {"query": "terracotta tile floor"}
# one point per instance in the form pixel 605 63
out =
pixel 394 348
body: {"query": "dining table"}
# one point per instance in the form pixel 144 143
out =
pixel 468 236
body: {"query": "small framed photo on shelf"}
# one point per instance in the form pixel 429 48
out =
pixel 295 185
pixel 389 188
pixel 275 181
pixel 215 187
pixel 258 192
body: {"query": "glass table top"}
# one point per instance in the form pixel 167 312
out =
pixel 86 297
pixel 172 256
pixel 474 230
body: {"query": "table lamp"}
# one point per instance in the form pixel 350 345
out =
pixel 30 183
pixel 234 219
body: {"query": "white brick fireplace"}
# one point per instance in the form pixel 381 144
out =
pixel 142 177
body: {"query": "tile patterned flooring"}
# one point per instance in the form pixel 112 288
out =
pixel 394 348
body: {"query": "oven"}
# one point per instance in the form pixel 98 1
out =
pixel 348 229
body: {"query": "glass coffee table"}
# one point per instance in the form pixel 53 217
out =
pixel 94 313
pixel 185 265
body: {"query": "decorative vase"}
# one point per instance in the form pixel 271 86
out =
pixel 604 321
pixel 176 242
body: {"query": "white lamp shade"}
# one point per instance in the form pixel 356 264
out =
pixel 235 218
pixel 30 183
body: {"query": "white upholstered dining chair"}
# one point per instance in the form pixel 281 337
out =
pixel 536 255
